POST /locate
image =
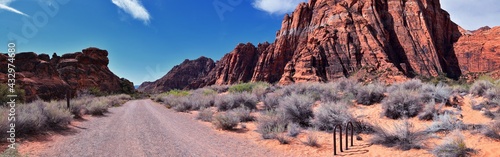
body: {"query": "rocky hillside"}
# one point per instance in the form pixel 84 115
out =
pixel 323 40
pixel 181 76
pixel 51 78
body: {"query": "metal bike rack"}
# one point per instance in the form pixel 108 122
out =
pixel 348 125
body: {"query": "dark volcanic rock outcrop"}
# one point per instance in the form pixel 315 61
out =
pixel 181 76
pixel 49 79
pixel 323 40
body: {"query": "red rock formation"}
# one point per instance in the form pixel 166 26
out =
pixel 479 51
pixel 49 79
pixel 323 40
pixel 188 73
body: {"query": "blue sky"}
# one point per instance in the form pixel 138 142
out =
pixel 146 38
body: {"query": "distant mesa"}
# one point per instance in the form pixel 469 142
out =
pixel 324 40
pixel 51 78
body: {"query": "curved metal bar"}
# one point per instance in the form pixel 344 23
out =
pixel 347 135
pixel 335 140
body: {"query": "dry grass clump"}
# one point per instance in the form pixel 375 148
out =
pixel 243 113
pixel 401 136
pixel 453 146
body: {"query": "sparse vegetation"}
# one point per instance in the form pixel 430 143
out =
pixel 403 103
pixel 330 114
pixel 480 87
pixel 445 122
pixel 370 94
pixel 243 113
pixel 225 121
pixel 312 139
pixel 430 110
pixel 293 129
pixel 453 146
pixel 232 101
pixel 297 108
pixel 401 136
pixel 270 123
pixel 205 114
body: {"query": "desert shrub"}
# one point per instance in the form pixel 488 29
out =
pixel 402 103
pixel 96 91
pixel 200 100
pixel 270 123
pixel 30 117
pixel 331 114
pixel 243 113
pixel 205 114
pixel 219 88
pixel 176 92
pixel 445 122
pixel 260 90
pixel 4 122
pixel 271 101
pixel 4 91
pixel 11 153
pixel 314 90
pixel 440 93
pixel 98 107
pixel 78 106
pixel 282 138
pixel 492 94
pixel 453 146
pixel 247 87
pixel 370 94
pixel 480 87
pixel 182 104
pixel 57 115
pixel 232 101
pixel 225 121
pixel 312 139
pixel 430 110
pixel 401 136
pixel 346 85
pixel 293 129
pixel 297 108
pixel 492 130
pixel 414 84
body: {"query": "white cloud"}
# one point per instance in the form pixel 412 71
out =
pixel 134 8
pixel 4 4
pixel 276 6
pixel 473 14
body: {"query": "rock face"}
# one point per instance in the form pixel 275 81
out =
pixel 46 78
pixel 479 51
pixel 324 40
pixel 181 76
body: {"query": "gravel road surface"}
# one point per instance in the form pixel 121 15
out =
pixel 145 128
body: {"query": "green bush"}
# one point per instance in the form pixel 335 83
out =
pixel 4 92
pixel 239 88
pixel 176 92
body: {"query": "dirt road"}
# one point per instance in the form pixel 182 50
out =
pixel 145 128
